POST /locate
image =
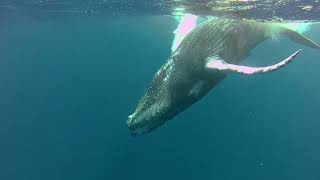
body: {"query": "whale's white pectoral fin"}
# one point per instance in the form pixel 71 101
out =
pixel 186 24
pixel 216 64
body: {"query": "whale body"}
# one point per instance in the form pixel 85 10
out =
pixel 200 62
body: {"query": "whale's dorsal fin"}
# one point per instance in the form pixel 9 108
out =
pixel 216 64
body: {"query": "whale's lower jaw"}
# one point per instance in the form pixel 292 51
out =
pixel 147 126
pixel 145 122
pixel 139 127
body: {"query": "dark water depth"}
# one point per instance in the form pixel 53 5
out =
pixel 67 87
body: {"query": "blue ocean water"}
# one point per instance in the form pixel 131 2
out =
pixel 69 84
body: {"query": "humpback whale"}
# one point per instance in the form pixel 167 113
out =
pixel 201 61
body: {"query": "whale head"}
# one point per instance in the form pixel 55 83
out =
pixel 144 121
pixel 139 125
pixel 150 113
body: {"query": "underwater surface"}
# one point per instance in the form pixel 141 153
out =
pixel 68 84
pixel 262 10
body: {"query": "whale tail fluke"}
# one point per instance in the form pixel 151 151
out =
pixel 301 39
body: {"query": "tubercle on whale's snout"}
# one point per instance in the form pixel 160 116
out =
pixel 130 121
pixel 131 126
pixel 135 127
